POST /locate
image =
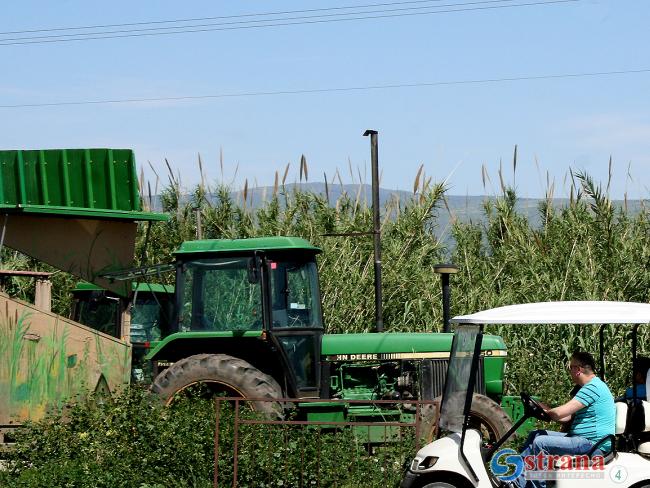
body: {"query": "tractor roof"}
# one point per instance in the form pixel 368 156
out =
pixel 246 245
pixel 579 312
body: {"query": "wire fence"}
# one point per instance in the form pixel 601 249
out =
pixel 316 443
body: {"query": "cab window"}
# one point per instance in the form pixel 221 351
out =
pixel 295 295
pixel 220 295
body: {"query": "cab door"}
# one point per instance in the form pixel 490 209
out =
pixel 295 320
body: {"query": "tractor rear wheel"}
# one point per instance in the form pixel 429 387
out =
pixel 220 374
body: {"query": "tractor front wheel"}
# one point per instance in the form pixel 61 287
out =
pixel 488 418
pixel 485 415
pixel 220 374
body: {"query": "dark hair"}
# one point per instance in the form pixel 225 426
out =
pixel 585 360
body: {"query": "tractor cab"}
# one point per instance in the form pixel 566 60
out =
pixel 261 295
pixel 141 318
pixel 97 308
pixel 149 309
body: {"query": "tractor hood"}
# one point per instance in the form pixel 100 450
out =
pixel 399 345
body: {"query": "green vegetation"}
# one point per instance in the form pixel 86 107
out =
pixel 133 442
pixel 589 249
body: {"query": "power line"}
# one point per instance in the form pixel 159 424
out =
pixel 334 89
pixel 270 23
pixel 220 17
pixel 265 21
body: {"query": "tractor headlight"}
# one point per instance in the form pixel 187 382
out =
pixel 422 464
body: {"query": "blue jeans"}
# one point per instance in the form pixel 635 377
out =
pixel 550 442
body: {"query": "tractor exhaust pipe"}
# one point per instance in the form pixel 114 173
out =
pixel 376 232
pixel 444 270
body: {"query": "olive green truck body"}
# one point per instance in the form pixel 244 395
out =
pixel 76 210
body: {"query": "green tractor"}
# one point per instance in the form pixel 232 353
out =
pixel 140 318
pixel 245 320
pixel 248 322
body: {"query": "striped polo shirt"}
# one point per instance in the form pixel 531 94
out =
pixel 598 418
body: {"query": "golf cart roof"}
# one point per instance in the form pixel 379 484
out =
pixel 582 312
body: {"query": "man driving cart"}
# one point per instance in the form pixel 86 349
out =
pixel 591 414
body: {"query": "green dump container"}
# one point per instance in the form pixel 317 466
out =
pixel 87 203
pixel 94 182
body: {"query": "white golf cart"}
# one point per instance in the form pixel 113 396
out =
pixel 457 458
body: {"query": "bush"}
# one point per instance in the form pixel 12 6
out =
pixel 128 442
pixel 132 441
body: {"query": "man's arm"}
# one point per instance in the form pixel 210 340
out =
pixel 564 412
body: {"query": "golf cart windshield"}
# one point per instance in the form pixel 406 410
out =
pixel 459 373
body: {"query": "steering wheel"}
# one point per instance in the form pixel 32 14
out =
pixel 533 408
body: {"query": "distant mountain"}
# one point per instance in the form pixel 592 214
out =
pixel 463 208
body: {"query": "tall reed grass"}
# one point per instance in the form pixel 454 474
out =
pixel 587 249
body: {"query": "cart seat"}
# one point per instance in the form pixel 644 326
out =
pixel 621 417
pixel 644 448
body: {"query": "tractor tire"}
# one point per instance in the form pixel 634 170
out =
pixel 222 374
pixel 486 416
pixel 489 418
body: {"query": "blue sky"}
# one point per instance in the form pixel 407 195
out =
pixel 452 130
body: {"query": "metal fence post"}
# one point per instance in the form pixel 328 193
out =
pixel 217 416
pixel 235 444
pixel 417 425
pixel 363 433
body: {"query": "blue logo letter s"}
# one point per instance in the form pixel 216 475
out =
pixel 507 464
